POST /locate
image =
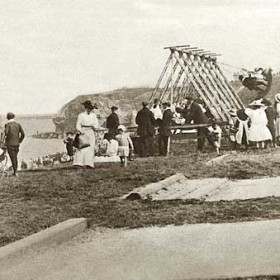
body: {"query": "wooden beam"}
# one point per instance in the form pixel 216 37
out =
pixel 211 66
pixel 176 47
pixel 230 87
pixel 160 78
pixel 211 90
pixel 167 82
pixel 221 97
pixel 197 83
pixel 237 102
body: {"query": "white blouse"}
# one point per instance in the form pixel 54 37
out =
pixel 86 120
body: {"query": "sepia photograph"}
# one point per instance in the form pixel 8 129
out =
pixel 139 139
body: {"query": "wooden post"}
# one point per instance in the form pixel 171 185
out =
pixel 220 85
pixel 160 78
pixel 168 82
pixel 172 77
pixel 230 87
pixel 198 85
pixel 220 95
pixel 228 90
pixel 203 75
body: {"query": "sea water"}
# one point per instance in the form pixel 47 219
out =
pixel 32 148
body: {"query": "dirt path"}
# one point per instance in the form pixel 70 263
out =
pixel 183 252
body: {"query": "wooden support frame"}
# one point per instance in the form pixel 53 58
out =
pixel 192 69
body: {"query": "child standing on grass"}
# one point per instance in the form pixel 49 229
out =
pixel 124 141
pixel 216 136
pixel 69 144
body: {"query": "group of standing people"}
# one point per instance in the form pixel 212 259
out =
pixel 86 126
pixel 258 124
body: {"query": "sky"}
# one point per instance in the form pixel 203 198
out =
pixel 53 50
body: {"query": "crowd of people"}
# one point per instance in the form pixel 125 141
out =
pixel 258 125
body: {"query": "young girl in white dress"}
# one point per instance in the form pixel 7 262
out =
pixel 124 141
pixel 259 132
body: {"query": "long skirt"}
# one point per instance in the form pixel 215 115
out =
pixel 259 132
pixel 85 156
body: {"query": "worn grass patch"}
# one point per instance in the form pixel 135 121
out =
pixel 39 199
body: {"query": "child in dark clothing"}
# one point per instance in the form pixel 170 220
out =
pixel 271 117
pixel 69 144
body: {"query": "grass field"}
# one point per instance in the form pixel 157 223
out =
pixel 39 199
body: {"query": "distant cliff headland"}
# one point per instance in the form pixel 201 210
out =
pixel 129 101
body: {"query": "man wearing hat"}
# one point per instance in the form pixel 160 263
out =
pixel 165 129
pixel 14 135
pixel 146 129
pixel 193 112
pixel 113 121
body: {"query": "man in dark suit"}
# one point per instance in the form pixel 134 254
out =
pixel 14 135
pixel 193 112
pixel 165 129
pixel 146 129
pixel 113 121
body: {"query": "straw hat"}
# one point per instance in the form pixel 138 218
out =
pixel 122 127
pixel 277 97
pixel 257 103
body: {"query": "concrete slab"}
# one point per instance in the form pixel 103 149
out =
pixel 183 252
pixel 51 236
pixel 209 189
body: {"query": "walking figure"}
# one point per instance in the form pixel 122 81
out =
pixel 14 135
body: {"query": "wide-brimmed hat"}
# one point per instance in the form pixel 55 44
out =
pixel 232 112
pixel 88 104
pixel 277 97
pixel 114 107
pixel 257 103
pixel 122 127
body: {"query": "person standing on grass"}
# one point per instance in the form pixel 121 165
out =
pixel 259 132
pixel 165 129
pixel 124 141
pixel 87 123
pixel 271 116
pixel 146 129
pixel 193 112
pixel 277 109
pixel 113 121
pixel 14 135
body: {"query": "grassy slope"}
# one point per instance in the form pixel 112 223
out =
pixel 43 198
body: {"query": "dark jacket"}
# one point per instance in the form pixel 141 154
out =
pixel 196 114
pixel 165 123
pixel 146 122
pixel 113 122
pixel 14 134
pixel 271 116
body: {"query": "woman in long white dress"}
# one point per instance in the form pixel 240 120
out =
pixel 259 132
pixel 87 123
pixel 277 109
